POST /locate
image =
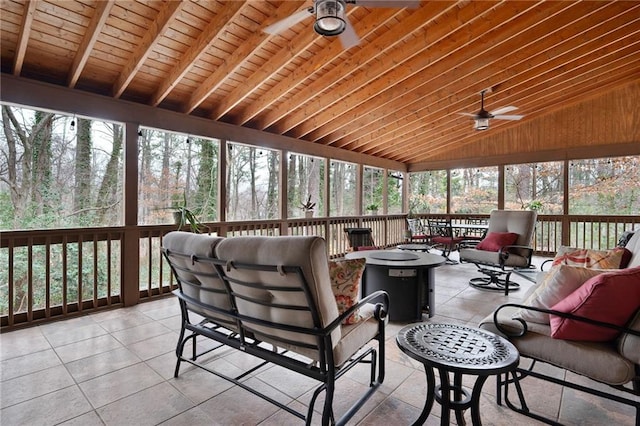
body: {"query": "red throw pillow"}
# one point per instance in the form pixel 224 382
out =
pixel 610 297
pixel 494 241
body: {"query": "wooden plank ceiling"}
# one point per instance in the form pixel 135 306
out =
pixel 395 95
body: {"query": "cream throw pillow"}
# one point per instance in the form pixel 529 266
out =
pixel 559 282
pixel 594 259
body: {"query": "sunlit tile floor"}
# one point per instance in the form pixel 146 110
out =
pixel 116 368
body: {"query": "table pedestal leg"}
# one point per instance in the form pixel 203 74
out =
pixel 475 400
pixel 431 389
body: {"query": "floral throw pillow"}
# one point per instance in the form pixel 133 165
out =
pixel 345 278
pixel 594 259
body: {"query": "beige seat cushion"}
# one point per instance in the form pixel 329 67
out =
pixel 599 361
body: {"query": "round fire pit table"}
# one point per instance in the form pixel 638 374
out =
pixel 451 348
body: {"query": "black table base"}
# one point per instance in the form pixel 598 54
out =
pixel 450 348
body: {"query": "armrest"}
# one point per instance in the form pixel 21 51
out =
pixel 379 298
pixel 544 263
pixel 468 244
pixel 623 329
pixel 504 253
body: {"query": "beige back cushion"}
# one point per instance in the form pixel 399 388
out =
pixel 521 222
pixel 310 254
pixel 200 245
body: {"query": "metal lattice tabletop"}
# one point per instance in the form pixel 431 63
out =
pixel 458 348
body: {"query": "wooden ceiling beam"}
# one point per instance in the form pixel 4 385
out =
pixel 194 53
pixel 528 93
pixel 463 40
pixel 23 36
pixel 546 98
pixel 575 39
pixel 315 97
pixel 311 66
pixel 481 46
pixel 166 16
pixel 99 18
pixel 290 50
pixel 237 58
pixel 620 80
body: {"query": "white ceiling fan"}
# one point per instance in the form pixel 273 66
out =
pixel 482 117
pixel 331 19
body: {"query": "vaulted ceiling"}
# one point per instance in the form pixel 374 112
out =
pixel 396 95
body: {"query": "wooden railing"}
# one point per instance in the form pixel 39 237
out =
pixel 47 274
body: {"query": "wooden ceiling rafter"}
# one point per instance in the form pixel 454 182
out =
pixel 161 23
pixel 331 52
pixel 255 41
pixel 99 18
pixel 306 105
pixel 23 36
pixel 519 61
pixel 539 52
pixel 438 67
pixel 194 53
pixel 529 93
pixel 553 98
pixel 285 55
pixel 619 79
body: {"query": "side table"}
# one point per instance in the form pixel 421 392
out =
pixel 456 349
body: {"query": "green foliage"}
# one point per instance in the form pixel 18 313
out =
pixel 308 205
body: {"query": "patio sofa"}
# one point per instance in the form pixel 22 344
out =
pixel 592 329
pixel 275 298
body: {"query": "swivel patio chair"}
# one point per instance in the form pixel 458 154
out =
pixel 418 232
pixel 443 237
pixel 360 239
pixel 506 246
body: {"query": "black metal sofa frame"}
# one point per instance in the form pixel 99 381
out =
pixel 243 285
pixel 503 381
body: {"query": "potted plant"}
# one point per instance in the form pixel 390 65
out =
pixel 308 207
pixel 373 208
pixel 184 216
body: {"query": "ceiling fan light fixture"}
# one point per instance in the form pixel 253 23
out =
pixel 330 17
pixel 481 123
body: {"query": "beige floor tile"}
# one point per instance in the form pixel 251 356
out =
pixel 148 407
pixel 87 348
pixel 22 342
pixel 141 332
pixel 155 346
pixel 49 409
pixel 97 365
pixel 192 417
pixel 32 385
pixel 65 336
pixel 88 419
pixel 27 364
pixel 119 384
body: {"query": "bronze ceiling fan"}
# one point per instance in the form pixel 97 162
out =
pixel 331 19
pixel 482 117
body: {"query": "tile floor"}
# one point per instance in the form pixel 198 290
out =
pixel 116 368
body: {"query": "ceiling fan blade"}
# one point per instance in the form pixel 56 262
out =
pixel 504 110
pixel 289 22
pixel 468 114
pixel 411 4
pixel 508 117
pixel 349 37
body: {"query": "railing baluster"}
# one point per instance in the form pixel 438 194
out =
pixel 30 280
